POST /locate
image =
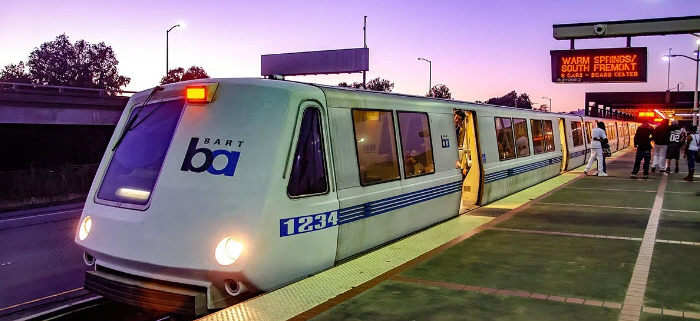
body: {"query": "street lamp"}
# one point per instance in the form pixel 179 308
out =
pixel 550 102
pixel 166 46
pixel 697 77
pixel 430 77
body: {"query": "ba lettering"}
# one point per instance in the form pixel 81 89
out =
pixel 209 156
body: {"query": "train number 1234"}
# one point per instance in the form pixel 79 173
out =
pixel 308 223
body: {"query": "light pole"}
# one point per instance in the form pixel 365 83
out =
pixel 166 48
pixel 550 103
pixel 697 78
pixel 430 75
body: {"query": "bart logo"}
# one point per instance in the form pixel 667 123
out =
pixel 209 155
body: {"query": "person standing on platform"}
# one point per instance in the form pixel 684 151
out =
pixel 597 136
pixel 660 146
pixel 691 151
pixel 675 143
pixel 604 145
pixel 642 140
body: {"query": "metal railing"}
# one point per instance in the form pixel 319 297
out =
pixel 64 89
pixel 46 182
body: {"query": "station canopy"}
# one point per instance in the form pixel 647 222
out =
pixel 642 105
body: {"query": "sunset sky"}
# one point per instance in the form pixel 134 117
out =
pixel 480 49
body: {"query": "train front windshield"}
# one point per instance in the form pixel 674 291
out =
pixel 137 160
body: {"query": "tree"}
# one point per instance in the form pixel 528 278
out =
pixel 378 84
pixel 510 99
pixel 15 73
pixel 61 63
pixel 356 85
pixel 440 91
pixel 179 74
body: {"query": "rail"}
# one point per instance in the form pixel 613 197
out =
pixel 64 89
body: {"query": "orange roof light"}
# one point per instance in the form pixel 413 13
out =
pixel 196 93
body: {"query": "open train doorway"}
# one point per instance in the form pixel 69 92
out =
pixel 469 161
pixel 564 144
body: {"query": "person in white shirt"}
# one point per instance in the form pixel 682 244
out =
pixel 693 145
pixel 596 151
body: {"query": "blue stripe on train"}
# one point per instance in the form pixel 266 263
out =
pixel 577 154
pixel 369 209
pixel 496 176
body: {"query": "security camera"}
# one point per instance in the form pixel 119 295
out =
pixel 600 29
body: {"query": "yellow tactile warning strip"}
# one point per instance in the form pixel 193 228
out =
pixel 304 295
pixel 634 299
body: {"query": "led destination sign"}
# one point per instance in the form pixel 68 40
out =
pixel 599 65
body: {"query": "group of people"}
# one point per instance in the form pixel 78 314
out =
pixel 668 141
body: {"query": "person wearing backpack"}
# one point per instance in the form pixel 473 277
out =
pixel 691 151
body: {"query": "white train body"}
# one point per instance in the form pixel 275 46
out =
pixel 227 169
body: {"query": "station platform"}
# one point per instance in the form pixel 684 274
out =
pixel 574 247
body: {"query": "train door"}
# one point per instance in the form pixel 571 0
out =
pixel 589 134
pixel 470 162
pixel 564 144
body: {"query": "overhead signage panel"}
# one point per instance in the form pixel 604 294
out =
pixel 316 62
pixel 599 65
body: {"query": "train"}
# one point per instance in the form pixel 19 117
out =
pixel 212 190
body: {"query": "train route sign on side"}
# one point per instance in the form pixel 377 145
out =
pixel 599 65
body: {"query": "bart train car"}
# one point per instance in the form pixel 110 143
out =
pixel 215 188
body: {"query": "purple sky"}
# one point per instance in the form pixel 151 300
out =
pixel 479 49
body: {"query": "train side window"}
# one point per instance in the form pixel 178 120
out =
pixel 375 140
pixel 414 130
pixel 537 136
pixel 522 139
pixel 548 136
pixel 309 174
pixel 577 133
pixel 589 131
pixel 504 138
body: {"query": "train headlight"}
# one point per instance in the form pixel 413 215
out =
pixel 84 228
pixel 228 251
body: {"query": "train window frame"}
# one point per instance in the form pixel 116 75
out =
pixel 357 153
pixel 544 133
pixel 527 136
pixel 580 133
pixel 323 153
pixel 541 127
pixel 512 137
pixel 430 140
pixel 131 206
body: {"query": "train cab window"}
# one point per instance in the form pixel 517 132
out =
pixel 504 138
pixel 522 139
pixel 577 133
pixel 309 175
pixel 537 136
pixel 376 146
pixel 548 136
pixel 136 164
pixel 416 145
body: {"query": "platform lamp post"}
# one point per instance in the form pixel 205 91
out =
pixel 167 33
pixel 697 78
pixel 430 74
pixel 550 103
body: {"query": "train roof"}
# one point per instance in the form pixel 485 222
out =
pixel 299 85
